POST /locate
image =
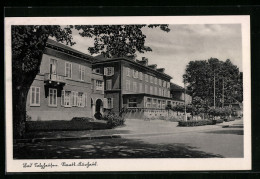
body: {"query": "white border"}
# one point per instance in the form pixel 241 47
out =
pixel 135 164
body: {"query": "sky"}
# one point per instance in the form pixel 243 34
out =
pixel 184 43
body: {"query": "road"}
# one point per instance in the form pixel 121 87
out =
pixel 164 142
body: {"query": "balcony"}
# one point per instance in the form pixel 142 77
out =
pixel 54 79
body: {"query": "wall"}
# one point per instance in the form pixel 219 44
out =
pixel 139 81
pixel 45 112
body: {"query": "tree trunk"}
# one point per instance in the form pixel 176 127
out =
pixel 21 86
pixel 19 111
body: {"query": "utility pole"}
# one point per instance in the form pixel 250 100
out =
pixel 185 114
pixel 223 93
pixel 214 91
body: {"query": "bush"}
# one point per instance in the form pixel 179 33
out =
pixel 113 120
pixel 81 119
pixel 219 121
pixel 192 123
pixel 28 117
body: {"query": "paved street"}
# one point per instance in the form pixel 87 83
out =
pixel 148 139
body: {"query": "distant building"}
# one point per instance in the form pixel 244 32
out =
pixel 178 94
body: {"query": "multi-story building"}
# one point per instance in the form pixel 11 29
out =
pixel 134 86
pixel 65 86
pixel 73 84
pixel 179 95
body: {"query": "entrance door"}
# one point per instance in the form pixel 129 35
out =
pixel 99 109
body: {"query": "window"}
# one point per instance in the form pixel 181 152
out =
pixel 35 96
pixel 127 85
pixel 53 66
pixel 109 71
pixel 52 97
pixel 134 86
pixel 140 75
pixel 146 77
pixel 159 104
pixel 81 99
pixel 108 84
pixel 168 85
pixel 68 70
pixel 74 98
pixel 155 80
pixel 81 72
pixel 164 84
pixel 160 92
pixel 67 99
pixel 146 89
pixel 151 89
pixel 132 102
pixel 140 87
pixel 151 79
pixel 148 102
pixel 160 82
pixel 163 92
pixel 155 90
pixel 163 104
pixel 135 74
pixel 169 94
pixel 99 85
pixel 154 103
pixel 128 71
pixel 108 103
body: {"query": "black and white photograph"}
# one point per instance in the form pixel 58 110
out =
pixel 127 93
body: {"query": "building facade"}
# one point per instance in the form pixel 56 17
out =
pixel 63 88
pixel 179 95
pixel 133 87
pixel 73 84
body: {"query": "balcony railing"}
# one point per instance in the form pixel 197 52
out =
pixel 54 77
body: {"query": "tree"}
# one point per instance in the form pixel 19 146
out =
pixel 201 74
pixel 28 44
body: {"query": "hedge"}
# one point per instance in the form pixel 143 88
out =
pixel 192 123
pixel 77 123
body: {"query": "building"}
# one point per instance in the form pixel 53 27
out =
pixel 73 84
pixel 133 87
pixel 65 86
pixel 179 95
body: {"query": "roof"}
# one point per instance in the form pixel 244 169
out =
pixel 60 45
pixel 176 87
pixel 101 59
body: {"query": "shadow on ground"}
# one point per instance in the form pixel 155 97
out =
pixel 83 133
pixel 229 131
pixel 105 148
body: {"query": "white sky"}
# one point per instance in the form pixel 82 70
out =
pixel 174 50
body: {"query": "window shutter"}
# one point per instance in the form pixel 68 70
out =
pixel 105 71
pixel 83 100
pixel 112 103
pixel 105 103
pixel 86 99
pixel 62 97
pixel 112 71
pixel 76 98
pixel 71 99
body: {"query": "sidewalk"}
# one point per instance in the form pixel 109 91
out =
pixel 133 128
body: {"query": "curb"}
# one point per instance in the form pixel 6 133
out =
pixel 65 139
